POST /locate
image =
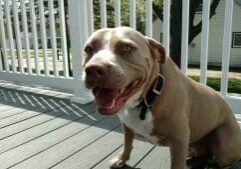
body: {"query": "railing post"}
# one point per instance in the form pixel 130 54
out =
pixel 78 34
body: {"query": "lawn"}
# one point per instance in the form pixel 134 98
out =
pixel 234 85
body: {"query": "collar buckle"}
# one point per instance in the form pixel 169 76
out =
pixel 150 96
pixel 158 85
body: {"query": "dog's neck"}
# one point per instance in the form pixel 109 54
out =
pixel 149 98
pixel 151 88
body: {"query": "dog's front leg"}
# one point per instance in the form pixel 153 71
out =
pixel 120 160
pixel 179 153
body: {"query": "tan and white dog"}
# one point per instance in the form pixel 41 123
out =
pixel 121 66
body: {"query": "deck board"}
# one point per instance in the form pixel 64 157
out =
pixel 18 118
pixel 153 161
pixel 42 129
pixel 10 111
pixel 84 158
pixel 140 149
pixel 63 143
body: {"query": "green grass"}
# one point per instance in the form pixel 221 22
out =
pixel 234 85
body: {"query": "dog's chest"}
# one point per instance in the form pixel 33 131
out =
pixel 142 127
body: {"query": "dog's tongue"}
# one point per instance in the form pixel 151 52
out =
pixel 105 98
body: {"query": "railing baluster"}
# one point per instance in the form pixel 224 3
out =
pixel 53 37
pixel 43 37
pixel 226 46
pixel 148 7
pixel 166 25
pixel 10 35
pixel 63 38
pixel 132 10
pixel 204 41
pixel 34 36
pixel 91 16
pixel 1 63
pixel 18 37
pixel 3 41
pixel 185 30
pixel 103 13
pixel 26 36
pixel 117 12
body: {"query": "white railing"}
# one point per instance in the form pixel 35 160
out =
pixel 234 101
pixel 40 59
pixel 38 62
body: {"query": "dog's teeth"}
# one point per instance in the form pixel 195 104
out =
pixel 112 105
pixel 136 82
pixel 122 90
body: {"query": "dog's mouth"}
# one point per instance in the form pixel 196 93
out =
pixel 110 101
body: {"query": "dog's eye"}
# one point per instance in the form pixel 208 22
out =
pixel 127 48
pixel 89 50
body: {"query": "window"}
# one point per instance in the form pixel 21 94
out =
pixel 199 9
pixel 236 42
pixel 161 37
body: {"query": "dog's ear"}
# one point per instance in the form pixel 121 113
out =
pixel 157 50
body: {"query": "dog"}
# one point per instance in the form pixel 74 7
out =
pixel 131 75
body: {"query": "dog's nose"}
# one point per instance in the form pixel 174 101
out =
pixel 95 71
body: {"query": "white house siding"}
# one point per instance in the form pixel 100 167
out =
pixel 215 37
pixel 236 52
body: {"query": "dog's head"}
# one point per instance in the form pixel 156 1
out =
pixel 118 63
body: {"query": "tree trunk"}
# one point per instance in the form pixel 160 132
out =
pixel 176 31
pixel 176 25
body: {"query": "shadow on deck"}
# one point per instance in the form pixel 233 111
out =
pixel 43 129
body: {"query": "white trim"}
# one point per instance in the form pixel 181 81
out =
pixel 55 82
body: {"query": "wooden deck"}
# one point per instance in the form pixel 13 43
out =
pixel 42 129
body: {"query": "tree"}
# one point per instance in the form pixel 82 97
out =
pixel 140 14
pixel 176 23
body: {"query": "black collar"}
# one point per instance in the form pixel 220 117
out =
pixel 151 95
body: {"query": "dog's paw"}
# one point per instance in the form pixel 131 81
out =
pixel 117 163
